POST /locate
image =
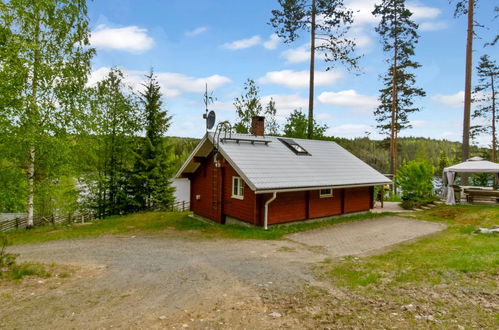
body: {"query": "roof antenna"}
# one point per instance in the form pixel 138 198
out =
pixel 209 116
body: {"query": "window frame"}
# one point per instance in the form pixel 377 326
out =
pixel 326 195
pixel 240 187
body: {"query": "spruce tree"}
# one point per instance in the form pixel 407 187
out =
pixel 398 36
pixel 484 96
pixel 153 168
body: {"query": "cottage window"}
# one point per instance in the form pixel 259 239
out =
pixel 237 187
pixel 328 192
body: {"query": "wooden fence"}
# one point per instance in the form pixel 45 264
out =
pixel 180 206
pixel 21 222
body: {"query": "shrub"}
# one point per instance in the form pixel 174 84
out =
pixel 11 270
pixel 7 260
pixel 415 180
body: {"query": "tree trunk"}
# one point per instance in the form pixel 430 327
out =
pixel 467 89
pixel 393 125
pixel 312 72
pixel 31 187
pixel 32 125
pixel 494 138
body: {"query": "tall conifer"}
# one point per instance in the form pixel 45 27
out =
pixel 398 36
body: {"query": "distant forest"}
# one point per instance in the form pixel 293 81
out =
pixel 440 153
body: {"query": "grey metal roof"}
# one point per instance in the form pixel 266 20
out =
pixel 273 166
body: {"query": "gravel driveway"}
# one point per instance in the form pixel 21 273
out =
pixel 180 280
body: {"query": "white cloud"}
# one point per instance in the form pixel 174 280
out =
pixel 272 42
pixel 299 79
pixel 418 123
pixel 433 26
pixel 350 130
pixel 362 10
pixel 243 43
pixel 360 36
pixel 363 14
pixel 196 31
pixel 172 84
pixel 453 100
pixel 285 103
pixel 349 98
pixel 297 55
pixel 420 12
pixel 324 116
pixel 131 39
pixel 223 106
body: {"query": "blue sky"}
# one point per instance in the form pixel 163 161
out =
pixel 224 42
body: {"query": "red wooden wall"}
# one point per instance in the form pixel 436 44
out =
pixel 358 199
pixel 323 207
pixel 287 207
pixel 240 209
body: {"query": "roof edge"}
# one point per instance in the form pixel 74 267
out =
pixel 191 156
pixel 266 191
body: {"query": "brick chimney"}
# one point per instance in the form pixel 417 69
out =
pixel 257 125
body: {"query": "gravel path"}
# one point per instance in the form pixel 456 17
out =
pixel 364 237
pixel 180 280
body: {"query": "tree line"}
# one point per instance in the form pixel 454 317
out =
pixel 65 145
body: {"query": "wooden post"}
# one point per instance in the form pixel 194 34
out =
pixel 183 206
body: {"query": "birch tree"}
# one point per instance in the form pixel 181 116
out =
pixel 48 53
pixel 249 104
pixel 328 22
pixel 398 36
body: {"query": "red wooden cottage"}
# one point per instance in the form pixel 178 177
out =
pixel 265 180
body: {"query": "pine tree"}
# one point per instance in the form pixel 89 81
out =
pixel 398 36
pixel 249 105
pixel 484 96
pixel 467 7
pixel 328 22
pixel 154 161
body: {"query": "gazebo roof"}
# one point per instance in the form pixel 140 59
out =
pixel 474 165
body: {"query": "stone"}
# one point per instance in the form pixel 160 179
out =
pixel 162 317
pixel 275 314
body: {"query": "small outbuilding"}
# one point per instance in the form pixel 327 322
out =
pixel 265 180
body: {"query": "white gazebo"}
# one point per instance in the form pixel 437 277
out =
pixel 472 165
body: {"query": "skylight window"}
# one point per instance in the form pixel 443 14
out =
pixel 295 147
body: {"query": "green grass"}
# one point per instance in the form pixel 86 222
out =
pixel 149 222
pixel 453 256
pixel 18 271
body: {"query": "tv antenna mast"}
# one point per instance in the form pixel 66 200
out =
pixel 209 116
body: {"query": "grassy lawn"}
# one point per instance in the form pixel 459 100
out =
pixel 451 275
pixel 150 222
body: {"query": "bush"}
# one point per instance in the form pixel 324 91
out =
pixel 7 260
pixel 11 270
pixel 415 180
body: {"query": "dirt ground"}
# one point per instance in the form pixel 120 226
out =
pixel 179 280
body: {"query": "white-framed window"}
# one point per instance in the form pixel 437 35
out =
pixel 327 192
pixel 237 187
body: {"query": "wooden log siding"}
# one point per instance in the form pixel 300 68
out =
pixel 287 207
